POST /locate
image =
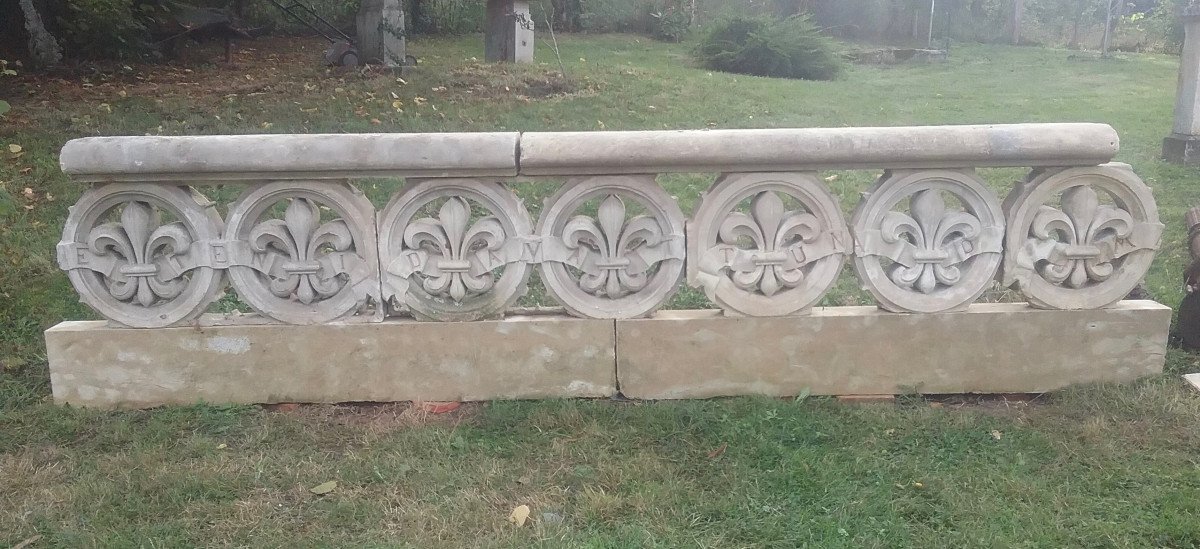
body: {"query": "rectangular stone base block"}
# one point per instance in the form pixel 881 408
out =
pixel 92 364
pixel 990 348
pixel 1181 149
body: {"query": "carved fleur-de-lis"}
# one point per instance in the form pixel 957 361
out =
pixel 941 240
pixel 775 233
pixel 452 242
pixel 612 238
pixel 137 241
pixel 304 242
pixel 1086 232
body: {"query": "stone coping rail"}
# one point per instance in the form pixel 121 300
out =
pixel 314 156
pixel 302 245
pixel 198 159
pixel 800 149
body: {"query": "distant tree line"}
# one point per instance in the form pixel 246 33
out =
pixel 127 28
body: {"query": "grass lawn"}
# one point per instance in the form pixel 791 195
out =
pixel 1098 466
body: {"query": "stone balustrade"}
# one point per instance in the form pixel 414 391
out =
pixel 303 246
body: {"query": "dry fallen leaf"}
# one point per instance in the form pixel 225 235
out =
pixel 519 515
pixel 324 488
pixel 717 453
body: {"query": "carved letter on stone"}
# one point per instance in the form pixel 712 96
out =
pixel 138 269
pixel 930 258
pixel 454 266
pixel 769 260
pixel 1085 253
pixel 607 249
pixel 611 265
pixel 302 269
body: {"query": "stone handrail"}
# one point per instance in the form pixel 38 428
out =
pixel 302 245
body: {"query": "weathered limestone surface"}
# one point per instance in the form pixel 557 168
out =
pixel 94 365
pixel 325 156
pixel 508 32
pixel 990 348
pixel 380 32
pixel 1183 145
pixel 317 156
pixel 324 268
pixel 578 153
pixel 906 259
pixel 1108 247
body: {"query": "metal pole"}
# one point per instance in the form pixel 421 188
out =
pixel 929 42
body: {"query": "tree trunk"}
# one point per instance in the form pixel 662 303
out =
pixel 43 47
pixel 1112 16
pixel 414 12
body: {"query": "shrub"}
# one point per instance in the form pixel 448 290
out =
pixel 669 25
pixel 761 46
pixel 445 16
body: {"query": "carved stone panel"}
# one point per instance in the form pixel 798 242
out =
pixel 928 241
pixel 611 246
pixel 1080 238
pixel 143 255
pixel 767 244
pixel 304 252
pixel 454 249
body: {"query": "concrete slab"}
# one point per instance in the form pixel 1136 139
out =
pixel 989 348
pixel 94 365
pixel 1193 380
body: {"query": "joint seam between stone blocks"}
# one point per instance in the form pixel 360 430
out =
pixel 517 152
pixel 616 362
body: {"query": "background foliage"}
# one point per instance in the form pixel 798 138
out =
pixel 126 28
pixel 763 46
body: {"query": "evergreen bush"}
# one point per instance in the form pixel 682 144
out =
pixel 762 46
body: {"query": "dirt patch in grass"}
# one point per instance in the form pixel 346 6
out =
pixel 996 404
pixel 378 417
pixel 199 74
pixel 492 81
